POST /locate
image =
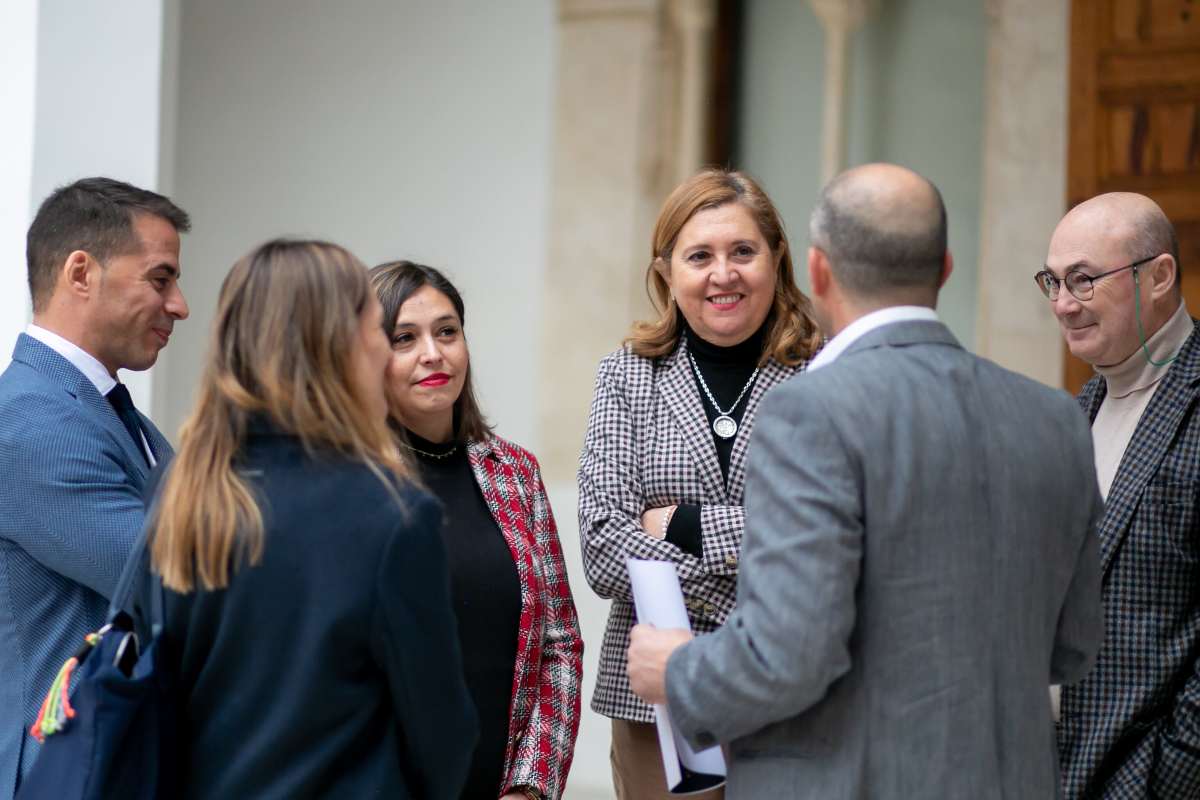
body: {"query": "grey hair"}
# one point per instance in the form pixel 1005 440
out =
pixel 867 258
pixel 1153 234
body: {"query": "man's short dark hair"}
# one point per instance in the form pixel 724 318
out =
pixel 94 215
pixel 871 251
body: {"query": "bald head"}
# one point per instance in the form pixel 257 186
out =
pixel 1132 225
pixel 883 229
pixel 1125 244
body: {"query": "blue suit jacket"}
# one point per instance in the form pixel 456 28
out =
pixel 71 481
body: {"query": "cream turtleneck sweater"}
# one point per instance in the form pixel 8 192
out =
pixel 1130 386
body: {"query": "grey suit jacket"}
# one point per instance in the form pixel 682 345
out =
pixel 919 564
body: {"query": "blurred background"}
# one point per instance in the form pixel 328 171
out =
pixel 524 148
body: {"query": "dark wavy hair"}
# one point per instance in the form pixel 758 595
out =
pixel 396 281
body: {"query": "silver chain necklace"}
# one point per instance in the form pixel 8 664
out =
pixel 438 456
pixel 724 425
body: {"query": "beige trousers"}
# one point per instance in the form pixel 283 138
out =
pixel 637 764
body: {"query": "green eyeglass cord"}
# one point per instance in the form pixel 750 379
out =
pixel 1137 308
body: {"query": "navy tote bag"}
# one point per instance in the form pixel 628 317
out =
pixel 115 736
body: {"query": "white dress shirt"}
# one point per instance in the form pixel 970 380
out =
pixel 86 363
pixel 864 325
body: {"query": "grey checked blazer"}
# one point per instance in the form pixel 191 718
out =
pixel 919 565
pixel 649 445
pixel 1132 728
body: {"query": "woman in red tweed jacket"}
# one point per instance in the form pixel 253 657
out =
pixel 522 652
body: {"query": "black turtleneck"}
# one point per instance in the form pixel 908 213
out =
pixel 486 593
pixel 726 371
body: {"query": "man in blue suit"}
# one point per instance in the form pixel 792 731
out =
pixel 103 260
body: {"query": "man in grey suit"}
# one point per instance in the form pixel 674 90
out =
pixel 919 561
pixel 103 259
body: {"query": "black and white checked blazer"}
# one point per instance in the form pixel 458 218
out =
pixel 649 445
pixel 1131 729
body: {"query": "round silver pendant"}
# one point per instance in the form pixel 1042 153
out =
pixel 725 427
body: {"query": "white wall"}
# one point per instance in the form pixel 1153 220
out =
pixel 98 103
pixel 18 77
pixel 416 129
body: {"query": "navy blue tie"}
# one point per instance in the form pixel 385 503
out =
pixel 122 403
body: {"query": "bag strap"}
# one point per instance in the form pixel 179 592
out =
pixel 137 565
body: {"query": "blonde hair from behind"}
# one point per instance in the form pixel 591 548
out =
pixel 793 336
pixel 287 322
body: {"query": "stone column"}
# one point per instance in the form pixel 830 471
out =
pixel 605 165
pixel 609 167
pixel 1024 182
pixel 840 18
pixel 630 119
pixel 693 20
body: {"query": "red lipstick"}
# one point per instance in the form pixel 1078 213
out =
pixel 436 379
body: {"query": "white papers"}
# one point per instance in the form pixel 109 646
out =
pixel 659 602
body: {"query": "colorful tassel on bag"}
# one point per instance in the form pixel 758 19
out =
pixel 56 709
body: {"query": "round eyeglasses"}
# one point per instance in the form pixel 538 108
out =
pixel 1079 284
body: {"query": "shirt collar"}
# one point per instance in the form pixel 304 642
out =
pixel 864 325
pixel 82 360
pixel 1136 373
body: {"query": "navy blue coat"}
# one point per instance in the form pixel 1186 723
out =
pixel 331 669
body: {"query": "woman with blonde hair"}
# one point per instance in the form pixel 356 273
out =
pixel 664 459
pixel 307 617
pixel 516 618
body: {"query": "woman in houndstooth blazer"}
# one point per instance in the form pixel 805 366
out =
pixel 522 652
pixel 663 463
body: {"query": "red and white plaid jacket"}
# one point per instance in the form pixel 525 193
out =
pixel 544 714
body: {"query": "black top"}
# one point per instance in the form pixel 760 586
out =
pixel 331 668
pixel 726 371
pixel 487 599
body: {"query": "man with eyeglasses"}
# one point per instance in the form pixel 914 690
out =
pixel 1131 729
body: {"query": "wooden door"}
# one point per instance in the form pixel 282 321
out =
pixel 1134 120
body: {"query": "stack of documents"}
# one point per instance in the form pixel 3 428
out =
pixel 658 600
